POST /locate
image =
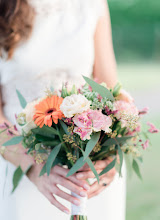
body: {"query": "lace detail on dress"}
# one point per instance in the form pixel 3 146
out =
pixel 46 7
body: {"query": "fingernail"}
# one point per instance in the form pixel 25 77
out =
pixel 79 176
pixel 67 212
pixel 76 202
pixel 86 187
pixel 83 194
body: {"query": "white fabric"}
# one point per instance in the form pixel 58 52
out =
pixel 82 208
pixel 60 49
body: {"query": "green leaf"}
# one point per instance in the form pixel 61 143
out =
pixel 90 164
pixel 91 144
pixel 13 141
pixel 109 167
pixel 45 131
pixel 140 159
pixel 104 92
pixel 64 126
pixel 136 168
pixel 18 175
pixel 120 153
pixel 21 99
pixel 43 170
pixel 52 157
pixel 117 140
pixel 51 143
pixel 79 163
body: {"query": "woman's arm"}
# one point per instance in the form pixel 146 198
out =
pixel 14 154
pixel 47 185
pixel 105 69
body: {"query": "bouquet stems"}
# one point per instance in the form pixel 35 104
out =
pixel 78 217
pixel 79 212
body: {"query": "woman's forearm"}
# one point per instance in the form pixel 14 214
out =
pixel 15 154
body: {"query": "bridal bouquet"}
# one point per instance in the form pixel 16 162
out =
pixel 81 125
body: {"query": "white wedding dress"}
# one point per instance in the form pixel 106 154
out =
pixel 60 49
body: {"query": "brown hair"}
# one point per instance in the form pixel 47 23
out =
pixel 16 21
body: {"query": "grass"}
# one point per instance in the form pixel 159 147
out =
pixel 143 197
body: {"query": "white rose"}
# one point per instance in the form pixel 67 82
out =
pixel 74 104
pixel 29 110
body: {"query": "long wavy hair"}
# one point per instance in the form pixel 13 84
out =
pixel 16 21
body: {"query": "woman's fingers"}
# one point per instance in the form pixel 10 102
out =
pixel 54 202
pixel 86 174
pixel 63 172
pixel 55 190
pixel 97 188
pixel 69 185
pixel 95 193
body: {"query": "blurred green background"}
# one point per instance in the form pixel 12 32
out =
pixel 136 39
pixel 136 29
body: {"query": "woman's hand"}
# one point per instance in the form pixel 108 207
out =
pixel 105 179
pixel 47 185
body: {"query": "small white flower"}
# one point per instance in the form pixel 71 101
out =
pixel 74 104
pixel 29 112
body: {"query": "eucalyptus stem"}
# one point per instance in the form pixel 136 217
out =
pixel 78 217
pixel 62 142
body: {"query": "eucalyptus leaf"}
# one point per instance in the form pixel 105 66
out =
pixel 45 131
pixel 43 170
pixel 140 159
pixel 109 167
pixel 117 140
pixel 120 153
pixel 79 163
pixel 90 164
pixel 18 175
pixel 51 143
pixel 104 92
pixel 64 126
pixel 136 168
pixel 21 99
pixel 52 157
pixel 13 141
pixel 91 144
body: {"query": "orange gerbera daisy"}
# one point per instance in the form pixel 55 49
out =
pixel 48 111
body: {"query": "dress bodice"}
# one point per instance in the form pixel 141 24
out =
pixel 60 49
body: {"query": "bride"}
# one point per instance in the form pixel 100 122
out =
pixel 43 43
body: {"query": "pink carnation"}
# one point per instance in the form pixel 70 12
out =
pixel 91 120
pixel 152 128
pixel 84 133
pixel 83 120
pixel 100 121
